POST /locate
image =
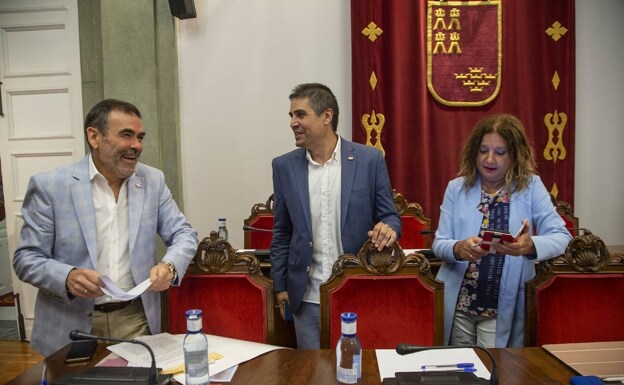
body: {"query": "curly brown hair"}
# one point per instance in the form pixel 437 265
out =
pixel 523 165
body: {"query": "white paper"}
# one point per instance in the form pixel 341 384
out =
pixel 168 352
pixel 224 376
pixel 412 251
pixel 111 289
pixel 390 361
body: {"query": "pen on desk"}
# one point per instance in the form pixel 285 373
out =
pixel 467 370
pixel 613 379
pixel 44 373
pixel 458 365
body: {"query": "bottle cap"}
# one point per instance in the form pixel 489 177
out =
pixel 348 317
pixel 194 320
pixel 193 314
pixel 221 219
pixel 349 322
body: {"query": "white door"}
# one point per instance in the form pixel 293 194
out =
pixel 41 124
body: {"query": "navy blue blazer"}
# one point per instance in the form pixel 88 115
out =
pixel 366 199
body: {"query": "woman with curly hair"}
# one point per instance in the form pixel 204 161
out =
pixel 497 189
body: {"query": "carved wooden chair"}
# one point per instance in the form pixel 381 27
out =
pixel 259 226
pixel 236 299
pixel 576 297
pixel 414 221
pixel 571 222
pixel 565 211
pixel 395 297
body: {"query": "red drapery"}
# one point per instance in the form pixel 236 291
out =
pixel 393 108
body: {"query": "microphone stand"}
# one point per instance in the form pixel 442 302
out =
pixel 77 335
pixel 404 349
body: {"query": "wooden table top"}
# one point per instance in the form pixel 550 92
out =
pixel 516 366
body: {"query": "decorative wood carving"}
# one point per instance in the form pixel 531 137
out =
pixel 402 205
pixel 380 262
pixel 216 255
pixel 264 208
pixel 585 253
pixel 564 207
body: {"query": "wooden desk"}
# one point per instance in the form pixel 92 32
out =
pixel 520 366
pixel 603 359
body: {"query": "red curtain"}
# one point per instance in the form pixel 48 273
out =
pixel 421 136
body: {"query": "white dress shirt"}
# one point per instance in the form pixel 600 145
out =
pixel 111 220
pixel 324 185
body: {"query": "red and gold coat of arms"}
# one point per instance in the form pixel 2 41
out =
pixel 464 51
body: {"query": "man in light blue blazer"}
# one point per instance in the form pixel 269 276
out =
pixel 100 216
pixel 331 195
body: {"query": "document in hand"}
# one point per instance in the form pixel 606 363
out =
pixel 492 237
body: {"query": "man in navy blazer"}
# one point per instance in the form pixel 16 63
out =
pixel 100 216
pixel 331 195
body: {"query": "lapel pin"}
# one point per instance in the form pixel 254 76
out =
pixel 350 157
pixel 137 185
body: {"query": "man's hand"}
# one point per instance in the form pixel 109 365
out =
pixel 282 300
pixel 84 283
pixel 382 235
pixel 161 277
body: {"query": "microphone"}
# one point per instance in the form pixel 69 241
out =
pixel 77 335
pixel 404 349
pixel 251 228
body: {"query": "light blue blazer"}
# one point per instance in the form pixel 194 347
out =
pixel 460 219
pixel 366 199
pixel 59 234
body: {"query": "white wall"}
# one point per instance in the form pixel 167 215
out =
pixel 239 60
pixel 599 185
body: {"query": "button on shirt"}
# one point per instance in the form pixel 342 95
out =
pixel 111 220
pixel 324 185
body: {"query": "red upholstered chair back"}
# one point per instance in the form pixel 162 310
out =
pixel 261 218
pixel 414 222
pixel 577 297
pixel 236 299
pixel 396 298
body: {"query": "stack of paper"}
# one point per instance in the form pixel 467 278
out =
pixel 170 356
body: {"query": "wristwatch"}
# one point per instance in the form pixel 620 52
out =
pixel 172 270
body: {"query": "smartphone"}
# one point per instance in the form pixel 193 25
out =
pixel 81 351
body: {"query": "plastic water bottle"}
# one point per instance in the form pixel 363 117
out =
pixel 195 350
pixel 223 232
pixel 349 352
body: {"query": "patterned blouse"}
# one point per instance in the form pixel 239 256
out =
pixel 478 294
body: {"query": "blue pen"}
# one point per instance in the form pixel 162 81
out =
pixel 467 370
pixel 458 365
pixel 44 381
